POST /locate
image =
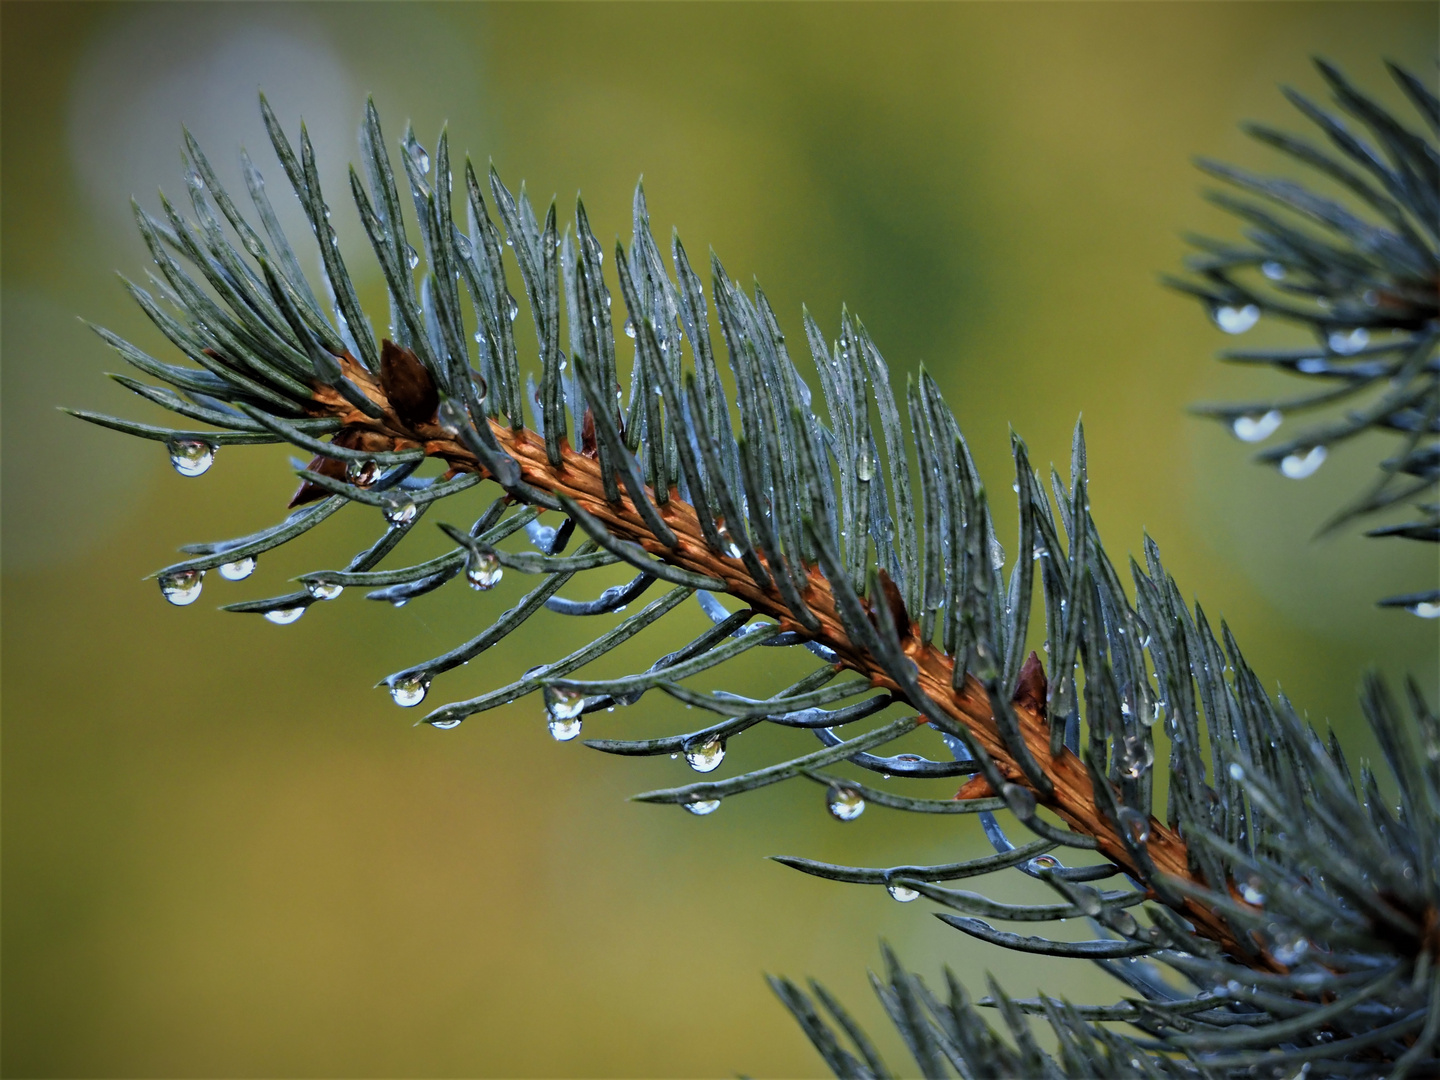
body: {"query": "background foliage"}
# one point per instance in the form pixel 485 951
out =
pixel 223 854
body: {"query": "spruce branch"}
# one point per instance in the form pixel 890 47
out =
pixel 1271 882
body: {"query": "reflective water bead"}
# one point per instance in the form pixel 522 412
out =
pixel 1237 772
pixel 1287 945
pixel 865 464
pixel 463 246
pixel 1136 824
pixel 1426 609
pixel 444 725
pixel 1020 800
pixel 1043 862
pixel 564 730
pixel 284 616
pixel 1122 922
pixel 1136 756
pixel 419 156
pixel 902 893
pixel 1311 365
pixel 412 257
pixel 1303 463
pixel 483 570
pixel 400 510
pixel 707 756
pixel 1253 427
pixel 191 457
pixel 362 473
pixel 324 590
pixel 1273 270
pixel 1348 342
pixel 410 691
pixel 563 704
pixel 512 309
pixel 182 587
pixel 1235 320
pixel 630 328
pixel 844 804
pixel 238 570
pixel 997 554
pixel 701 807
pixel 1087 900
pixel 1252 890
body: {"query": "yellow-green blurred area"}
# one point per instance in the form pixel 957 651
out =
pixel 226 854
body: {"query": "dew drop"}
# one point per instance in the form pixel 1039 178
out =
pixel 902 893
pixel 1299 465
pixel 1252 890
pixel 182 587
pixel 409 692
pixel 444 725
pixel 324 590
pixel 1273 270
pixel 707 756
pixel 362 473
pixel 1237 771
pixel 563 730
pixel 400 510
pixel 1288 946
pixel 419 156
pixel 865 465
pixel 238 570
pixel 1235 320
pixel 1136 824
pixel 630 328
pixel 1042 862
pixel 1020 800
pixel 412 257
pixel 512 309
pixel 1348 342
pixel 1426 609
pixel 701 807
pixel 284 616
pixel 1122 922
pixel 997 554
pixel 1311 365
pixel 464 247
pixel 1136 756
pixel 1253 427
pixel 844 804
pixel 483 570
pixel 191 457
pixel 563 704
pixel 1088 901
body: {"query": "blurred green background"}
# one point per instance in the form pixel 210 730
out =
pixel 224 854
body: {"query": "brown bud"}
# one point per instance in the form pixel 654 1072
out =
pixel 1032 688
pixel 407 385
pixel 977 787
pixel 897 605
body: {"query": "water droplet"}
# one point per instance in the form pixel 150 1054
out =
pixel 563 704
pixel 1235 320
pixel 1122 922
pixel 419 156
pixel 238 570
pixel 1152 717
pixel 1136 824
pixel 997 554
pixel 1311 365
pixel 630 328
pixel 512 309
pixel 324 590
pixel 464 247
pixel 701 807
pixel 1252 890
pixel 902 893
pixel 483 570
pixel 1302 463
pixel 444 725
pixel 1043 862
pixel 1087 900
pixel 1426 609
pixel 1021 800
pixel 563 730
pixel 182 587
pixel 1287 945
pixel 400 602
pixel 1237 772
pixel 845 804
pixel 400 510
pixel 1273 270
pixel 410 691
pixel 865 465
pixel 1136 756
pixel 707 756
pixel 1253 427
pixel 412 257
pixel 191 457
pixel 195 180
pixel 1348 342
pixel 362 473
pixel 284 616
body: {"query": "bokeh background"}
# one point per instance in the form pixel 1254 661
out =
pixel 224 854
